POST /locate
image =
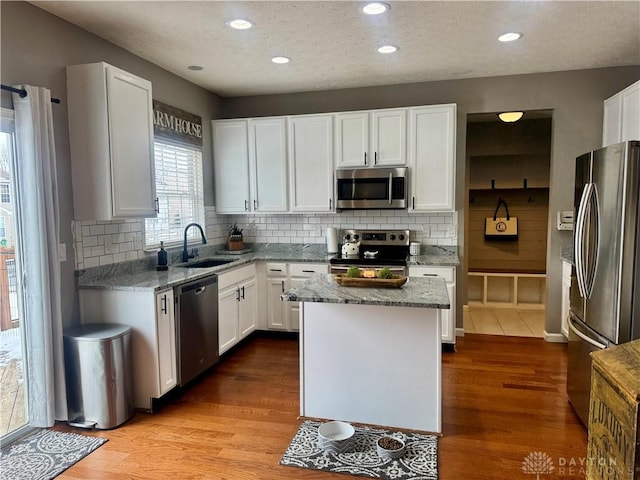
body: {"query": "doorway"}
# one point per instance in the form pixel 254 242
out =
pixel 508 168
pixel 13 369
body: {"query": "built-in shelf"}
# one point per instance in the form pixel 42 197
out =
pixel 507 290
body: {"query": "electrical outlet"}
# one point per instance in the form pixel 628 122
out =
pixel 62 252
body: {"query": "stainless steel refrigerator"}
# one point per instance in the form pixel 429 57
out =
pixel 605 278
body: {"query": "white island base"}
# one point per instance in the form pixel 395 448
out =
pixel 377 365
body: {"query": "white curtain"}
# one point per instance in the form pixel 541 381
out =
pixel 37 197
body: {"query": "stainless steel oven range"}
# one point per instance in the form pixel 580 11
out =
pixel 372 249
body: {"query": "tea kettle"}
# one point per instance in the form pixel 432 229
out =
pixel 350 249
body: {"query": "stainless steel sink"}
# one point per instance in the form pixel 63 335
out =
pixel 207 263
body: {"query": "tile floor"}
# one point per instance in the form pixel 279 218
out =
pixel 504 321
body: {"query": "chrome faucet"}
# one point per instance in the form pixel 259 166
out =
pixel 185 252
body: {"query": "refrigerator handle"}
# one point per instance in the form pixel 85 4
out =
pixel 578 246
pixel 594 233
pixel 587 339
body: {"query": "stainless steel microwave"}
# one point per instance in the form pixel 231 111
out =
pixel 361 188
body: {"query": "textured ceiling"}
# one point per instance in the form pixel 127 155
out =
pixel 333 45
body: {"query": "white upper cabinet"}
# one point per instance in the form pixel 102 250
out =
pixel 622 116
pixel 250 165
pixel 231 166
pixel 371 138
pixel 311 163
pixel 268 162
pixel 432 157
pixel 352 140
pixel 389 137
pixel 111 143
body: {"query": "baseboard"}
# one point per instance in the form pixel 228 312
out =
pixel 459 332
pixel 554 337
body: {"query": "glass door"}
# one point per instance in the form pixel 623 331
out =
pixel 13 379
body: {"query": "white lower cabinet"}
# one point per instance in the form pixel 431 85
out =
pixel 448 317
pixel 281 315
pixel 237 305
pixel 151 317
pixel 566 298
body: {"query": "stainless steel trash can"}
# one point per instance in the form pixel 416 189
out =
pixel 98 375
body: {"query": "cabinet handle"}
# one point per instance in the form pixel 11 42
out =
pixel 330 203
pixel 255 204
pixel 365 158
pixel 157 205
pixel 375 158
pixel 238 294
pixel 308 271
pixel 429 274
pixel 282 286
pixel 413 203
pixel 243 293
pixel 163 307
pixel 275 270
pixel 246 205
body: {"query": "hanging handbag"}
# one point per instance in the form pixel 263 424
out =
pixel 501 228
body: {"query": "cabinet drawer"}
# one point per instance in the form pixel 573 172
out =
pixel 276 269
pixel 307 269
pixel 448 273
pixel 236 275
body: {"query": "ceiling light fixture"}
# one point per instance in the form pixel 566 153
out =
pixel 240 24
pixel 510 37
pixel 510 117
pixel 375 8
pixel 387 49
pixel 195 68
pixel 280 60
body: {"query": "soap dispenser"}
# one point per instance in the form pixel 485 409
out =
pixel 162 258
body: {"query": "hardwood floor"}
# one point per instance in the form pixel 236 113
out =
pixel 503 398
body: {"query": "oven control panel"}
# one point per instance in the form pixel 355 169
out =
pixel 377 237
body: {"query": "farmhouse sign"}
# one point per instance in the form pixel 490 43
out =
pixel 176 124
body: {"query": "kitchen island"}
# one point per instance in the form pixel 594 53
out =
pixel 371 355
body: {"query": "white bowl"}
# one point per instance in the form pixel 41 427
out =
pixel 390 454
pixel 335 436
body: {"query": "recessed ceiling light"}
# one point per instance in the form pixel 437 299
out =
pixel 240 24
pixel 280 60
pixel 509 37
pixel 387 49
pixel 375 8
pixel 195 68
pixel 510 117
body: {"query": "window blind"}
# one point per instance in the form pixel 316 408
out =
pixel 179 190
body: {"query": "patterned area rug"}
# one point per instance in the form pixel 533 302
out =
pixel 420 462
pixel 45 454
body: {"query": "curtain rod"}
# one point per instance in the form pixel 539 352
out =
pixel 23 93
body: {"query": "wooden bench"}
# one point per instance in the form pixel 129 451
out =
pixel 504 289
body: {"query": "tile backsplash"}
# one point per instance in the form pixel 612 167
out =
pixel 103 243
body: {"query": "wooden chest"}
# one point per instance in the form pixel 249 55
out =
pixel 613 450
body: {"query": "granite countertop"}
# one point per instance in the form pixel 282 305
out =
pixel 141 275
pixel 427 292
pixel 435 256
pixel 567 254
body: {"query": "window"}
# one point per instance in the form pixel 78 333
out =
pixel 3 229
pixel 179 191
pixel 4 193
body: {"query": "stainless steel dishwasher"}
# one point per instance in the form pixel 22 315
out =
pixel 197 324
